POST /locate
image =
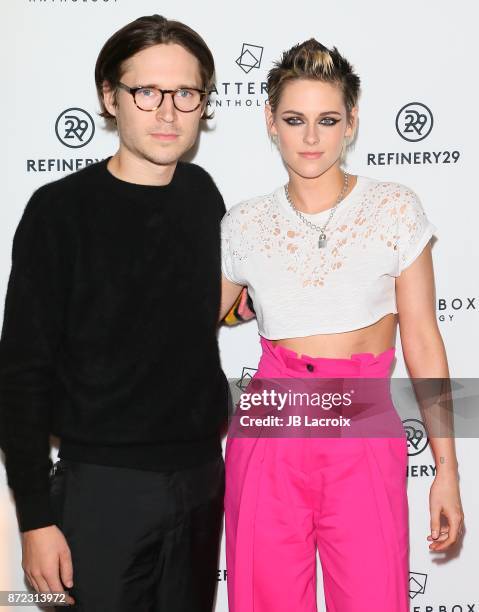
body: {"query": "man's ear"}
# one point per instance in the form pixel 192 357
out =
pixel 109 98
pixel 270 123
pixel 204 108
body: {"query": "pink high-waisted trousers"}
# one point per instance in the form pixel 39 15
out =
pixel 345 497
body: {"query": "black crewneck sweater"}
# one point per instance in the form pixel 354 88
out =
pixel 109 334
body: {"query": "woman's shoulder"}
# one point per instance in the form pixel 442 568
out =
pixel 392 190
pixel 394 197
pixel 250 207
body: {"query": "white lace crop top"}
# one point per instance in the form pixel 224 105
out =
pixel 300 290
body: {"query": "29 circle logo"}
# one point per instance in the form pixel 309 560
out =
pixel 416 436
pixel 75 128
pixel 414 122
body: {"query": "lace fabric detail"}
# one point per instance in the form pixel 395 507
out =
pixel 299 289
pixel 385 216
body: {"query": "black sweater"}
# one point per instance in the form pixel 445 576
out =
pixel 109 336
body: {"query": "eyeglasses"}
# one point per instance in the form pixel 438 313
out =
pixel 185 99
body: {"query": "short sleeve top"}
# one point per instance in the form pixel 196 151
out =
pixel 298 289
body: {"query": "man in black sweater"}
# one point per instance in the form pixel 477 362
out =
pixel 109 342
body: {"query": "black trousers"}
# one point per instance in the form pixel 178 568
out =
pixel 141 541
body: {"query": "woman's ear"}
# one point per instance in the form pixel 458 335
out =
pixel 352 124
pixel 269 117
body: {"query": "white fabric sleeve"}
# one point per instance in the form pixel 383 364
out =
pixel 414 228
pixel 227 260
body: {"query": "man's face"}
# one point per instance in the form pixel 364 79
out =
pixel 164 135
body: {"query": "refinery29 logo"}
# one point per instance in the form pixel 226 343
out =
pixel 74 128
pixel 414 122
pixel 416 436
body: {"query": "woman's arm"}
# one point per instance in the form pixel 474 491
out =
pixel 229 293
pixel 425 358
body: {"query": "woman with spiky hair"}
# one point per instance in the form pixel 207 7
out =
pixel 333 263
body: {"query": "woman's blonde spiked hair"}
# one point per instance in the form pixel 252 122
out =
pixel 312 60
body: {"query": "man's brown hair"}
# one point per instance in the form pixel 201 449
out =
pixel 141 34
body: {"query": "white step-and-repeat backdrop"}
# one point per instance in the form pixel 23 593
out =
pixel 418 125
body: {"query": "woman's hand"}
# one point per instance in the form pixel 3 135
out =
pixel 445 499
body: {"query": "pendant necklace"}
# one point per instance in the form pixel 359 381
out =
pixel 322 241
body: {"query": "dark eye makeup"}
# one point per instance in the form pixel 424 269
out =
pixel 298 121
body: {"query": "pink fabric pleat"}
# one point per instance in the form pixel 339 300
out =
pixel 347 498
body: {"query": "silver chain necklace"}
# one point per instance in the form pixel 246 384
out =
pixel 322 241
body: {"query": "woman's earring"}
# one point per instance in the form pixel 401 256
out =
pixel 274 138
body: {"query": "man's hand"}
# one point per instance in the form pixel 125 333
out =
pixel 47 560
